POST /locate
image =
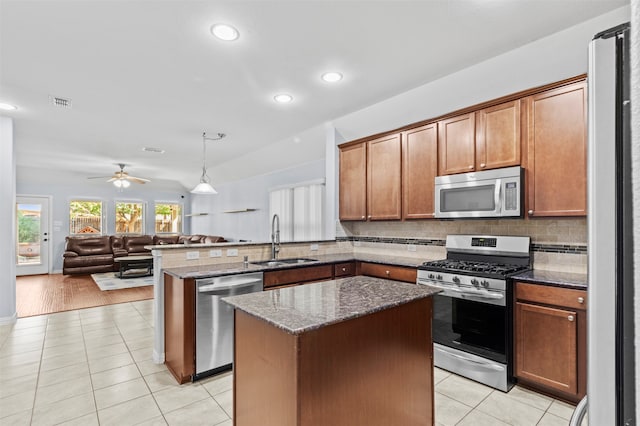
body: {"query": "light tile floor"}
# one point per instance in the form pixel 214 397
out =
pixel 93 366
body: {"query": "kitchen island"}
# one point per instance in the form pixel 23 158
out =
pixel 352 351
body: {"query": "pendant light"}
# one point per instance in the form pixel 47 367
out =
pixel 204 187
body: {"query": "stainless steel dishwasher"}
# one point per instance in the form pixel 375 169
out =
pixel 214 320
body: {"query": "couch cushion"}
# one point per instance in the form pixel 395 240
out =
pixel 136 243
pixel 99 259
pixel 165 239
pixel 87 246
pixel 190 239
pixel 214 239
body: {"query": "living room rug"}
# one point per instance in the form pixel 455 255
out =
pixel 110 281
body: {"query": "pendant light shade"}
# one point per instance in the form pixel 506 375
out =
pixel 204 187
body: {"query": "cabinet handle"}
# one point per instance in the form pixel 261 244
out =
pixel 530 212
pixel 470 167
pixel 363 217
pixel 570 318
pixel 483 165
pixel 387 272
pixel 581 300
pixel 344 269
pixel 369 216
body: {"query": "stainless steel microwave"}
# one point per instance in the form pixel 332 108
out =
pixel 490 193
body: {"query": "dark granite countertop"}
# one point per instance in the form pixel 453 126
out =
pixel 303 308
pixel 553 278
pixel 207 271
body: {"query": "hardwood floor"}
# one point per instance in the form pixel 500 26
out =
pixel 46 294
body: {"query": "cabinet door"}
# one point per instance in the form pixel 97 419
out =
pixel 345 269
pixel 353 182
pixel 297 275
pixel 498 136
pixel 557 152
pixel 419 170
pixel 383 178
pixel 546 346
pixel 456 144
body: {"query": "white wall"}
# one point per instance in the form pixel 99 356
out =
pixel 7 222
pixel 251 193
pixel 63 189
pixel 635 136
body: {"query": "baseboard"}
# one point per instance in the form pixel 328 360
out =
pixel 157 357
pixel 56 271
pixel 9 320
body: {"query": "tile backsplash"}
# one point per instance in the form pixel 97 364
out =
pixel 557 244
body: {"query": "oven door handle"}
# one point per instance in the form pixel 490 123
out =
pixel 478 294
pixel 464 358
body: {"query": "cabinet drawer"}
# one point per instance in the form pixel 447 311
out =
pixel 398 273
pixel 548 295
pixel 298 275
pixel 346 269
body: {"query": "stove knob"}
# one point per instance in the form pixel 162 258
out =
pixel 431 276
pixel 456 280
pixel 485 284
pixel 475 282
pixel 439 277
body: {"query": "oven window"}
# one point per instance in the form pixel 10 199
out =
pixel 473 327
pixel 468 199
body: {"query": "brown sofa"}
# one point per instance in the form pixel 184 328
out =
pixel 92 254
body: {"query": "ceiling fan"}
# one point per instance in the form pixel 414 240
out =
pixel 122 179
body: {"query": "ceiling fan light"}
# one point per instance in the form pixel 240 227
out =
pixel 204 188
pixel 121 183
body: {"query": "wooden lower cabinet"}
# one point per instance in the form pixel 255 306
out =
pixel 179 327
pixel 398 273
pixel 373 370
pixel 297 275
pixel 345 269
pixel 550 339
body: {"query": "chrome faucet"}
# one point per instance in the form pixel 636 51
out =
pixel 275 236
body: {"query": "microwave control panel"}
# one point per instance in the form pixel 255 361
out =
pixel 511 196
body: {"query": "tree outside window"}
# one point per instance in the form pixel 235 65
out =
pixel 168 218
pixel 129 218
pixel 85 217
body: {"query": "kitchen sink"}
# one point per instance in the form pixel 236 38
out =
pixel 282 262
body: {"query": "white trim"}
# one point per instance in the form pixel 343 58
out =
pixel 182 218
pixel 49 199
pixel 9 320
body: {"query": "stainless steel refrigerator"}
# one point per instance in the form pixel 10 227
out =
pixel 610 339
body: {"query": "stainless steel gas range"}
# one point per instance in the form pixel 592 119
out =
pixel 472 327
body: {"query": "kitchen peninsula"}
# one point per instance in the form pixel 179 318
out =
pixel 356 350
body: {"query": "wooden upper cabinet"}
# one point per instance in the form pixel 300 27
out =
pixel 557 152
pixel 353 182
pixel 419 169
pixel 456 144
pixel 383 178
pixel 498 136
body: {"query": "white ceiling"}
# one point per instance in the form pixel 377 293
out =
pixel 149 73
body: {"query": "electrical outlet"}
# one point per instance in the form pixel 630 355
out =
pixel 314 247
pixel 215 253
pixel 411 247
pixel 192 255
pixel 232 252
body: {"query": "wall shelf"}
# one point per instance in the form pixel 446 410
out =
pixel 196 214
pixel 239 211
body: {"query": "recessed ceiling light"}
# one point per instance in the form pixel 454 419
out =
pixel 224 32
pixel 8 107
pixel 331 77
pixel 283 98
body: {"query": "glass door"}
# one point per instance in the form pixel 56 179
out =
pixel 32 229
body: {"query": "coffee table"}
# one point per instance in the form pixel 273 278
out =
pixel 129 263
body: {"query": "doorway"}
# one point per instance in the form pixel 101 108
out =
pixel 32 235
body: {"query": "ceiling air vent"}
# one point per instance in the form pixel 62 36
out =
pixel 60 102
pixel 152 149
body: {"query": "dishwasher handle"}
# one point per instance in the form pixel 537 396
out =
pixel 213 289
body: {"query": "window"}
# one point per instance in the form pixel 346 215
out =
pixel 168 218
pixel 300 210
pixel 85 217
pixel 129 218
